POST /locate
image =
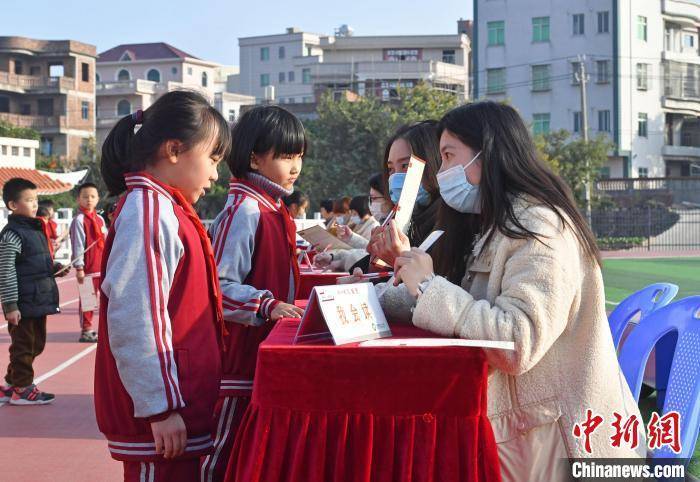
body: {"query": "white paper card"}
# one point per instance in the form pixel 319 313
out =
pixel 409 193
pixel 87 295
pixel 322 239
pixel 348 313
pixel 501 345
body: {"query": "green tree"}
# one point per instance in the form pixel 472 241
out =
pixel 11 130
pixel 348 139
pixel 568 158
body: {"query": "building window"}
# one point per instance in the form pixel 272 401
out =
pixel 689 41
pixel 265 53
pixel 189 70
pixel 174 71
pixel 45 107
pixel 643 172
pixel 27 152
pixel 3 150
pixel 578 122
pixel 85 68
pixel 153 75
pixel 540 124
pixel 232 115
pixel 123 108
pixel 56 70
pixel 604 22
pixel 642 125
pixel 85 110
pixel 205 79
pixel 34 70
pixel 540 77
pixel 603 70
pixel 449 57
pixel 15 151
pixel 540 29
pixel 281 77
pixel 305 76
pixel 495 81
pixel 25 109
pixel 579 28
pixel 604 120
pixel 97 77
pixel 46 146
pixel 281 53
pixel 123 75
pixel 307 100
pixel 642 76
pixel 18 67
pixel 291 100
pixel 402 55
pixel 264 80
pixel 642 28
pixel 604 172
pixel 4 104
pixel 497 32
pixel 290 76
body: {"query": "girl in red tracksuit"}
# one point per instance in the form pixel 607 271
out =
pixel 156 382
pixel 254 241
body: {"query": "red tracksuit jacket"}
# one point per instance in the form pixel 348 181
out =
pixel 159 345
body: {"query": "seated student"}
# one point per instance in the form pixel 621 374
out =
pixel 533 278
pixel 326 209
pixel 254 245
pixel 297 203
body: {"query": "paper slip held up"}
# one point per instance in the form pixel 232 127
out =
pixel 87 295
pixel 428 342
pixel 318 236
pixel 409 193
pixel 345 313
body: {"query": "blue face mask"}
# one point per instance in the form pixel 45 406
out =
pixel 457 191
pixel 396 181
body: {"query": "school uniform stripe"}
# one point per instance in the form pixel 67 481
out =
pixel 245 190
pixel 10 248
pixel 144 182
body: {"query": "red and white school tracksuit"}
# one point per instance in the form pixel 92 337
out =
pixel 254 244
pixel 161 331
pixel 87 232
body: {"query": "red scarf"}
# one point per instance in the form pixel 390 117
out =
pixel 95 228
pixel 47 231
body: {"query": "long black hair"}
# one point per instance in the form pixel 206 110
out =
pixel 510 167
pixel 182 114
pixel 424 142
pixel 262 129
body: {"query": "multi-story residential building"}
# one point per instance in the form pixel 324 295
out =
pixel 642 64
pixel 133 76
pixel 297 66
pixel 49 86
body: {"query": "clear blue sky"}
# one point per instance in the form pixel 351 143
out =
pixel 210 29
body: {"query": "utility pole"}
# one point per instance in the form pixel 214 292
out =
pixel 582 78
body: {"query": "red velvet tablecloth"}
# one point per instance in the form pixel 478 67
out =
pixel 309 279
pixel 325 413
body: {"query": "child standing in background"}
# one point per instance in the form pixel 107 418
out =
pixel 254 244
pixel 87 235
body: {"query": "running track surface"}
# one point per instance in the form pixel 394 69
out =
pixel 57 442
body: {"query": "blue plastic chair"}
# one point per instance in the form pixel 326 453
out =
pixel 683 390
pixel 644 301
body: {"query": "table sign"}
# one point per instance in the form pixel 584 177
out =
pixel 345 313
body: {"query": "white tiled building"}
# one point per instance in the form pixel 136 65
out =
pixel 296 66
pixel 643 64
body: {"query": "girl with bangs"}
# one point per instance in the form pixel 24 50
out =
pixel 254 241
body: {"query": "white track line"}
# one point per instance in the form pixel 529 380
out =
pixel 62 306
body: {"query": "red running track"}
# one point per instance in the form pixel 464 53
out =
pixel 60 441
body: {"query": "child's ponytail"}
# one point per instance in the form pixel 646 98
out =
pixel 116 154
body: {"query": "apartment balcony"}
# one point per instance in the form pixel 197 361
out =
pixel 34 84
pixel 681 152
pixel 427 70
pixel 35 121
pixel 126 87
pixel 681 11
pixel 681 92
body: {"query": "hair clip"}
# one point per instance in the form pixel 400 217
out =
pixel 137 117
